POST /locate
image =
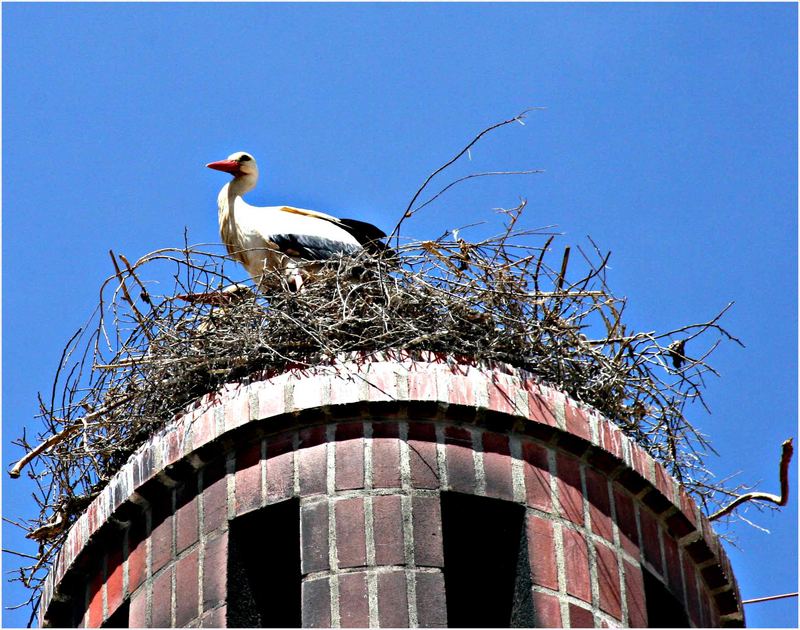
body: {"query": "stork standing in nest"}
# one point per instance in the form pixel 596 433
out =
pixel 282 237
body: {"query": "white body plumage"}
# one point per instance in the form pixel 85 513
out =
pixel 277 237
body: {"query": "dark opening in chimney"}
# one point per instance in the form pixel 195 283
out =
pixel 487 574
pixel 264 568
pixel 663 608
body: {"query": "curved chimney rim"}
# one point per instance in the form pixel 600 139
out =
pixel 490 390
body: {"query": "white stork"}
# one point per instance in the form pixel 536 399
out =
pixel 276 237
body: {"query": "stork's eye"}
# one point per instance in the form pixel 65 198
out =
pixel 245 158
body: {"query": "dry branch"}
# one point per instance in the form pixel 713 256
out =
pixel 787 450
pixel 126 374
pixel 497 299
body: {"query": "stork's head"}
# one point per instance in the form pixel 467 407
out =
pixel 239 164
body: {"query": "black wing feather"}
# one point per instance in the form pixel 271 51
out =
pixel 310 247
pixel 367 234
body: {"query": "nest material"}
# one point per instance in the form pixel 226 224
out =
pixel 147 355
pixel 149 351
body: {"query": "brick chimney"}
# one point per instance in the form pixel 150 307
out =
pixel 391 492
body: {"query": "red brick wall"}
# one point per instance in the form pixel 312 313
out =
pixel 598 510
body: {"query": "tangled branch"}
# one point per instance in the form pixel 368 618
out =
pixel 513 297
pixel 787 450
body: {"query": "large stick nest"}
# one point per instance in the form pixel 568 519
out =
pixel 167 331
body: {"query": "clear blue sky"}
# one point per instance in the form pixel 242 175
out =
pixel 670 137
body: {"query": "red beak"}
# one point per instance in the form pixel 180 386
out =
pixel 229 166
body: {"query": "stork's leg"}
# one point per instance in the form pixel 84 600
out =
pixel 294 277
pixel 297 278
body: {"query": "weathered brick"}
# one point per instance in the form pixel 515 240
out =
pixel 93 518
pixel 114 594
pixel 692 599
pixel 427 523
pixel 188 527
pixel 137 554
pixel 461 390
pixel 422 385
pixel 673 563
pixel 577 421
pixel 215 496
pixel 634 595
pixel 663 481
pixel 611 439
pixel 385 462
pixel 186 583
pixel 236 399
pixel 599 504
pixel 460 468
pixel 431 604
pixel 350 464
pixel 497 466
pixel 540 409
pixel 316 606
pixel 387 520
pixel 353 601
pixel 215 571
pixel 94 614
pixel 609 582
pixel 346 390
pixel 280 476
pixel 350 532
pixel 537 476
pixel 641 462
pixel 546 611
pixel 502 394
pixel 203 428
pixel 382 381
pixel 687 507
pixel 137 613
pixel 312 467
pixel 650 540
pixel 248 478
pixel 424 467
pixel 213 618
pixel 162 600
pixel 542 552
pixel 626 521
pixel 580 617
pixel 161 538
pixel 576 564
pixel 144 468
pixel 392 600
pixel 570 492
pixel 314 536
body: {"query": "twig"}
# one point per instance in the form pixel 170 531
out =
pixel 407 213
pixel 139 317
pixel 786 457
pixel 61 436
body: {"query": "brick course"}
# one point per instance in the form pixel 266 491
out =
pixel 370 518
